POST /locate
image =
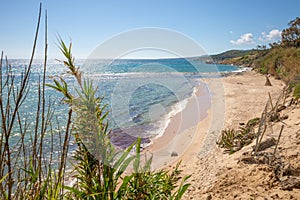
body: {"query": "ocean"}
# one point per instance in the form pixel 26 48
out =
pixel 142 95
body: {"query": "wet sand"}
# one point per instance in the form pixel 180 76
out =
pixel 187 130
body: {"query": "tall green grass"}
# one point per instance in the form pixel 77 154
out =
pixel 100 171
pixel 25 170
pixel 99 167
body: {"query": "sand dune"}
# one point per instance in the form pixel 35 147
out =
pixel 216 175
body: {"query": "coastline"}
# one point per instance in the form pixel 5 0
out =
pixel 181 131
pixel 216 175
pixel 245 96
pixel 186 131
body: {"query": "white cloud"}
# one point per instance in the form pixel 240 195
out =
pixel 244 39
pixel 274 34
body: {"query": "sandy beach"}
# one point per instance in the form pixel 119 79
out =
pixel 235 99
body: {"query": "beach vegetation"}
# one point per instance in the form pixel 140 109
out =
pixel 228 140
pixel 34 166
pixel 99 167
pixel 263 70
pixel 232 140
pixel 296 93
pixel 283 58
pixel 26 171
pixel 283 63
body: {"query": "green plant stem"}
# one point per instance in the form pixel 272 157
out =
pixel 65 148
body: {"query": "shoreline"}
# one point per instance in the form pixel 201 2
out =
pixel 215 174
pixel 189 126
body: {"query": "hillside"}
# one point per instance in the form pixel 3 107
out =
pixel 233 55
pixel 281 62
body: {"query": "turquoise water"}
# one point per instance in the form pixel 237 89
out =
pixel 151 65
pixel 142 95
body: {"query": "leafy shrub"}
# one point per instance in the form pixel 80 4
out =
pixel 296 93
pixel 263 70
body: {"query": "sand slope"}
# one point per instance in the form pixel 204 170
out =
pixel 220 176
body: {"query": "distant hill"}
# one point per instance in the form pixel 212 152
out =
pixel 232 54
pixel 236 57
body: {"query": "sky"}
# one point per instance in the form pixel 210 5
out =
pixel 215 25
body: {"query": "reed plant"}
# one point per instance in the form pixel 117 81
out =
pixel 99 167
pixel 26 171
pixel 34 152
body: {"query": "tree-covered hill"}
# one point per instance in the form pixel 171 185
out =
pixel 232 54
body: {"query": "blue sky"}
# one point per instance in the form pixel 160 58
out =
pixel 217 25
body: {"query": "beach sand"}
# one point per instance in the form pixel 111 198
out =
pixel 234 99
